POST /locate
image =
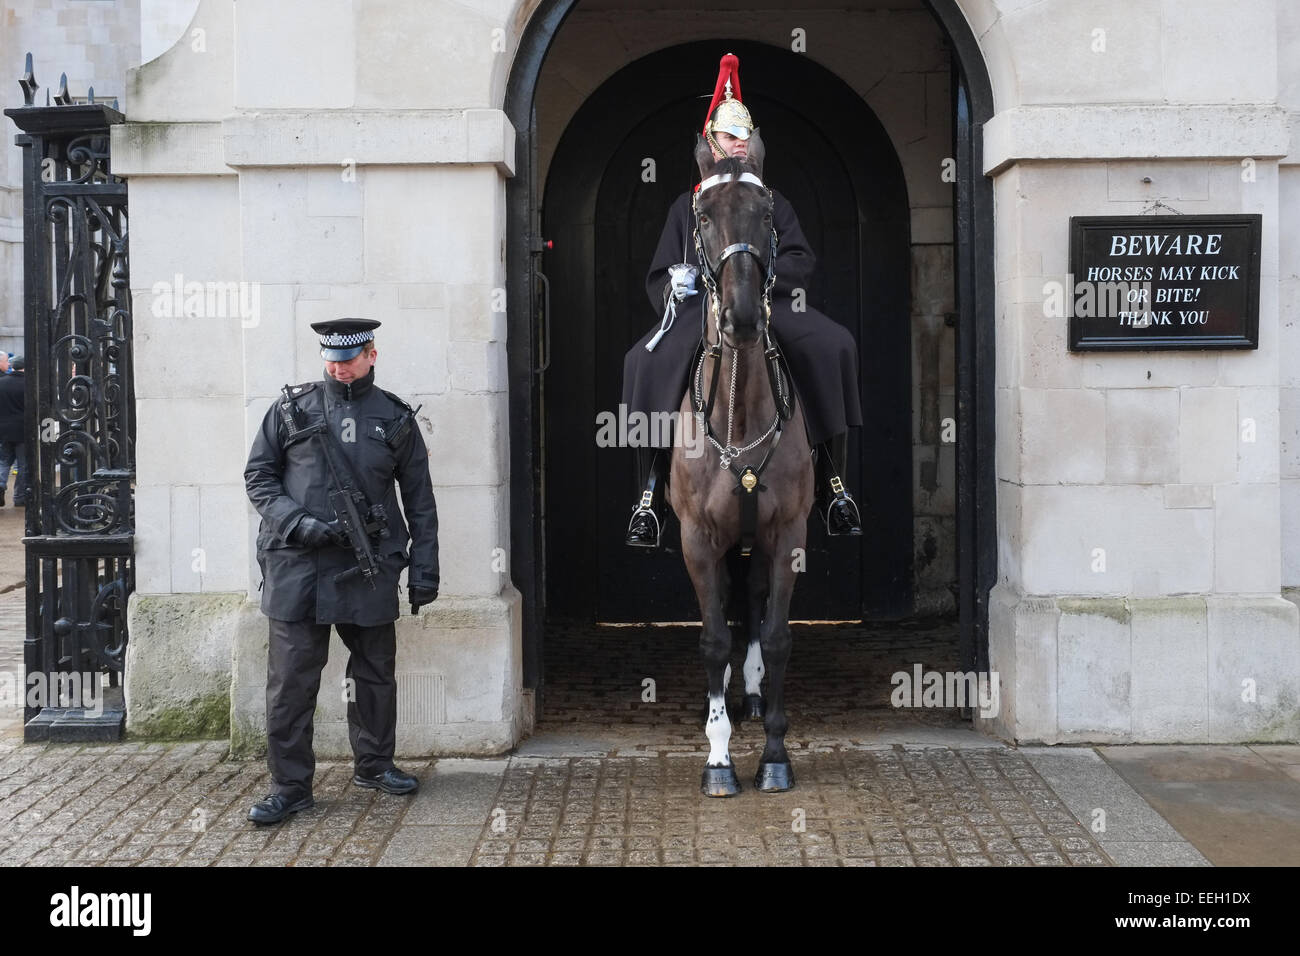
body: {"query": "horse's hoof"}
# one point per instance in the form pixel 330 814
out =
pixel 774 777
pixel 754 708
pixel 719 782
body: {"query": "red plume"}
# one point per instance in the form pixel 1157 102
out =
pixel 728 69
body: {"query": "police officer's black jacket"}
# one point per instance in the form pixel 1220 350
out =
pixel 286 485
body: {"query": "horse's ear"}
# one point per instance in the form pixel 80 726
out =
pixel 756 153
pixel 704 157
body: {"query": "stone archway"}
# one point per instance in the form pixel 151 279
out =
pixel 973 268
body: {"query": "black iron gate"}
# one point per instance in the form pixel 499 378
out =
pixel 80 409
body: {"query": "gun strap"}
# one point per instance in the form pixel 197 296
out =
pixel 329 444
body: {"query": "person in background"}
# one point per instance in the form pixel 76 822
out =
pixel 13 434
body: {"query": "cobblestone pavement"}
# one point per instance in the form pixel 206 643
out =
pixel 610 778
pixel 183 804
pixel 167 804
pixel 838 680
pixel 887 807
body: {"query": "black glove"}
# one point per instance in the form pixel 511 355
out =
pixel 422 596
pixel 313 533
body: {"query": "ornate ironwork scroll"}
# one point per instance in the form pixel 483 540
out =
pixel 80 418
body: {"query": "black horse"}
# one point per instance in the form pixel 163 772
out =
pixel 760 497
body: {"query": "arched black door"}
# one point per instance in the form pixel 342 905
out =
pixel 604 210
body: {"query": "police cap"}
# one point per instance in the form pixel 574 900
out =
pixel 341 340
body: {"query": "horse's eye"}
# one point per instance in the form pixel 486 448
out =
pixel 767 217
pixel 704 220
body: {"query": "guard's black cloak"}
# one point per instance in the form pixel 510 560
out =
pixel 822 354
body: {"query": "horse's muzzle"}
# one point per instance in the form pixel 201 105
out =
pixel 747 330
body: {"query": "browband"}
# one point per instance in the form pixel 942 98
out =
pixel 726 178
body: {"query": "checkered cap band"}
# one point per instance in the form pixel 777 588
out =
pixel 339 340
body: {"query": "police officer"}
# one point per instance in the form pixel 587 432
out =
pixel 821 353
pixel 341 434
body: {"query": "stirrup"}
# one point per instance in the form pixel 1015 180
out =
pixel 842 496
pixel 644 509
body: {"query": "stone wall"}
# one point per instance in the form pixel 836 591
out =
pixel 1139 506
pixel 1288 340
pixel 305 181
pixel 361 168
pixel 95 44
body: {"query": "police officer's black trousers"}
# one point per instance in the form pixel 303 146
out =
pixel 297 653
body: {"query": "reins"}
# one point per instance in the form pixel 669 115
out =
pixel 748 478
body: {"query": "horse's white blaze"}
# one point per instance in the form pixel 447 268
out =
pixel 753 668
pixel 718 727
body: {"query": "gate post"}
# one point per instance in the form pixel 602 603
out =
pixel 80 410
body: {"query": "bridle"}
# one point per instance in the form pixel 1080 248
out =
pixel 711 272
pixel 748 478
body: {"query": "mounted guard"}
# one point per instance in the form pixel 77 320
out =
pixel 730 388
pixel 821 354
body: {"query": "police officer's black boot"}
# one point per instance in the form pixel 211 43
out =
pixel 836 505
pixel 644 530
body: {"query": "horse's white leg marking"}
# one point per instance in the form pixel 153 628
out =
pixel 754 668
pixel 718 728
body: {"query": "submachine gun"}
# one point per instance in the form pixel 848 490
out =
pixel 359 521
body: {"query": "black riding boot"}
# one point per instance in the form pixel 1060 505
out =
pixel 644 529
pixel 836 505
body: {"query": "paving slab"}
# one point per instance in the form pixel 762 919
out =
pixel 459 793
pixel 1127 827
pixel 431 846
pixel 13 557
pixel 1238 805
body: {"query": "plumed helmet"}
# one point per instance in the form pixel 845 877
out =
pixel 727 114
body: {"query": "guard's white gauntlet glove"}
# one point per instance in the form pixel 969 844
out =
pixel 683 279
pixel 682 276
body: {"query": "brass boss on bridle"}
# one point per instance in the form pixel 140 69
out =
pixel 711 272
